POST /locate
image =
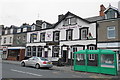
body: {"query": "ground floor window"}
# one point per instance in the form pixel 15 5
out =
pixel 55 51
pixel 13 53
pixel 34 50
pixel 39 53
pixel 92 60
pixel 28 51
pixel 76 48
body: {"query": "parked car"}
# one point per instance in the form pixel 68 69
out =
pixel 37 62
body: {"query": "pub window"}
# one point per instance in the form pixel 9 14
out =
pixel 55 51
pixel 39 51
pixel 56 36
pixel 73 21
pixel 34 50
pixel 80 59
pixel 83 33
pixel 28 51
pixel 70 21
pixel 42 37
pixel 91 47
pixel 69 34
pixel 91 56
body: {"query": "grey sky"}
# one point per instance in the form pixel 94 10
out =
pixel 16 12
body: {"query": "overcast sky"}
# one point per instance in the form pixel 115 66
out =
pixel 16 12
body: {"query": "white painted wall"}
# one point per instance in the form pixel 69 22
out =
pixel 7 40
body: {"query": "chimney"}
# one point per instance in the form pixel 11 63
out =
pixel 39 22
pixel 60 17
pixel 102 9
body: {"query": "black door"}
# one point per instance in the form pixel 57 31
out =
pixel 64 56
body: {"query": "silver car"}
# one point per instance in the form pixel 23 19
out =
pixel 37 62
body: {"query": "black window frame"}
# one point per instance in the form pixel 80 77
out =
pixel 80 33
pixel 67 31
pixel 54 35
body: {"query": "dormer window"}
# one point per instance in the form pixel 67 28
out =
pixel 111 14
pixel 6 31
pixel 43 25
pixel 18 30
pixel 25 29
pixel 33 27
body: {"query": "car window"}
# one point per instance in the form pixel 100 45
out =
pixel 32 58
pixel 43 59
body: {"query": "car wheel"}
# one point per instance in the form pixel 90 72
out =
pixel 23 64
pixel 37 66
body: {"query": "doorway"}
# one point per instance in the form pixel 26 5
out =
pixel 65 55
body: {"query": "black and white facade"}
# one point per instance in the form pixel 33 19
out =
pixel 70 34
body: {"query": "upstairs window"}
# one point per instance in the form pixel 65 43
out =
pixel 111 32
pixel 56 36
pixel 5 40
pixel 69 34
pixel 43 25
pixel 33 27
pixel 70 21
pixel 10 39
pixel 11 31
pixel 83 33
pixel 42 37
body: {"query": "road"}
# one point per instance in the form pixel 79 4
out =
pixel 16 71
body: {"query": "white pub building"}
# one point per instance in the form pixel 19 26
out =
pixel 70 34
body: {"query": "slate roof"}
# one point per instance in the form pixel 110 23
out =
pixel 95 18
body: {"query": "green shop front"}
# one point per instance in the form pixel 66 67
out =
pixel 98 61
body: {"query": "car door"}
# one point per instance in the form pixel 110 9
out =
pixel 30 61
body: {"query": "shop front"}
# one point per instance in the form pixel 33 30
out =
pixel 16 53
